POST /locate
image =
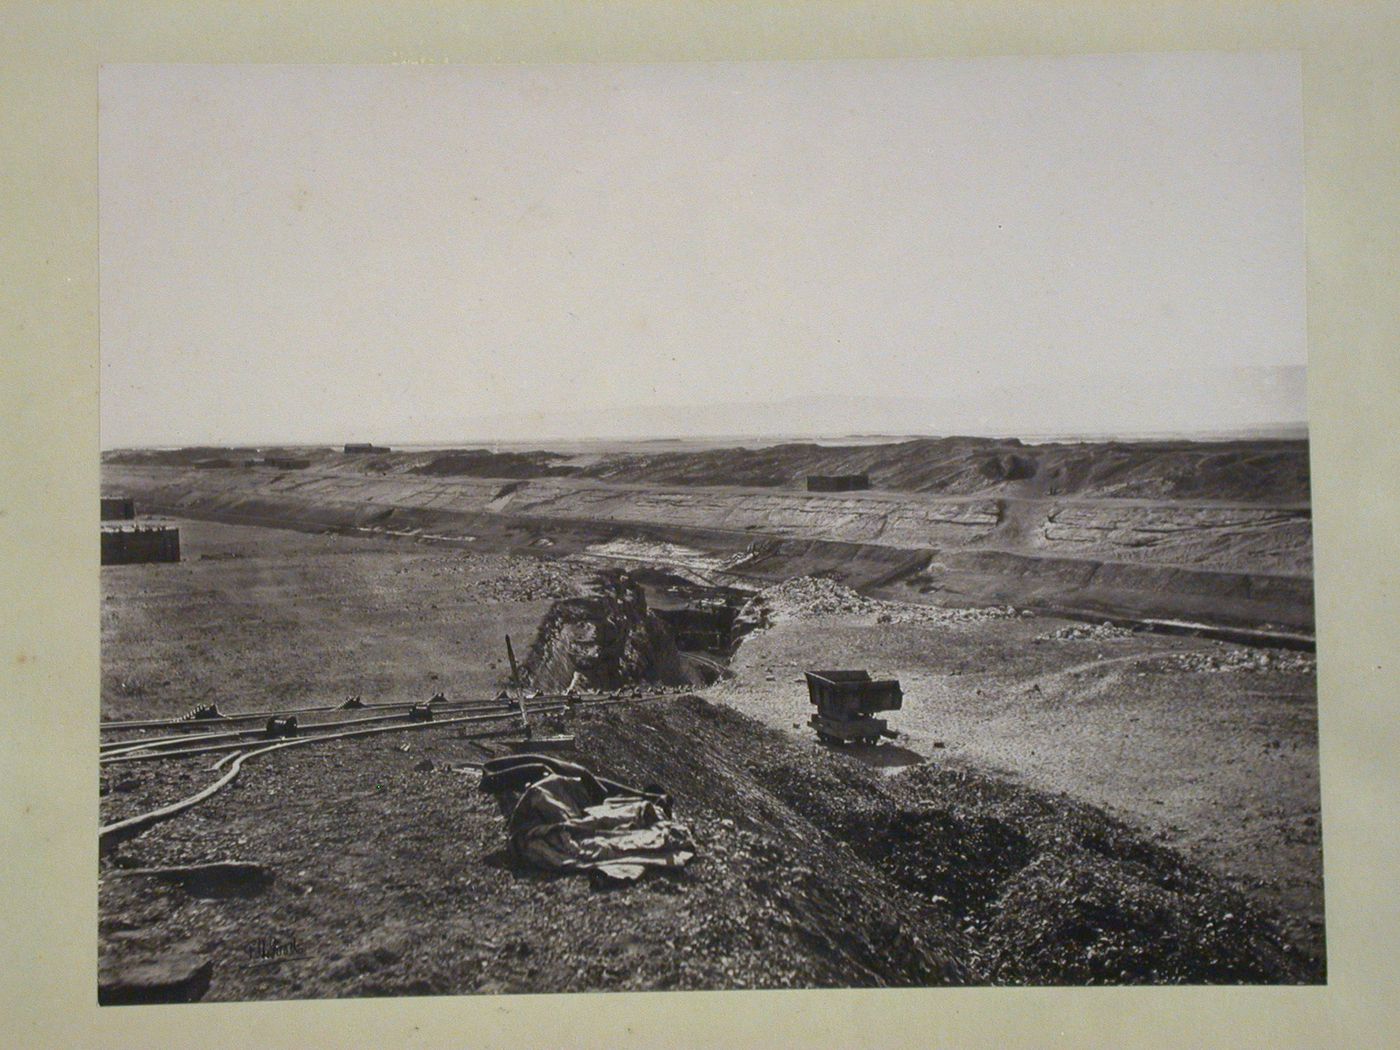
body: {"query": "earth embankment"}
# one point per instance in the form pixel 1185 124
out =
pixel 1262 471
pixel 1249 471
pixel 1212 559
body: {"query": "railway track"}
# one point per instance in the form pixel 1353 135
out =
pixel 217 732
pixel 186 722
pixel 129 746
pixel 147 754
pixel 244 716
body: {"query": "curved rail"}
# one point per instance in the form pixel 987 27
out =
pixel 131 826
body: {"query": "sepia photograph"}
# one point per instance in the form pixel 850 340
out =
pixel 703 526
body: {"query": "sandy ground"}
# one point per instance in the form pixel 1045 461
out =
pixel 1222 765
pixel 257 617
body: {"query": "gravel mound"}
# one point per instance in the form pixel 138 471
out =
pixel 526 581
pixel 1238 661
pixel 894 612
pixel 495 578
pixel 1086 632
pixel 806 597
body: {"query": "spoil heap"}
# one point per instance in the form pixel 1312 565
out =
pixel 1245 470
pixel 804 597
pixel 1019 886
pixel 1233 660
pixel 605 639
pixel 1089 632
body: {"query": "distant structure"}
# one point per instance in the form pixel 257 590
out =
pixel 141 543
pixel 118 508
pixel 837 482
pixel 366 447
pixel 289 462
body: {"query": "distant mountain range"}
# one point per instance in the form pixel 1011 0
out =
pixel 1239 402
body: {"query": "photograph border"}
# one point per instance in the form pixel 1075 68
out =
pixel 49 385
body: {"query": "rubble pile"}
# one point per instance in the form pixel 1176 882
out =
pixel 494 578
pixel 1088 632
pixel 525 580
pixel 1239 660
pixel 895 612
pixel 809 596
pixel 804 596
pixel 1007 884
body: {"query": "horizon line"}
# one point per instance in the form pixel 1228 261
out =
pixel 1283 431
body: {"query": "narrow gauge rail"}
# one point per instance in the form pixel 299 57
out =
pixel 150 755
pixel 239 716
pixel 114 747
pixel 149 751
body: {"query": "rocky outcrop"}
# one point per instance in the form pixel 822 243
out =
pixel 177 975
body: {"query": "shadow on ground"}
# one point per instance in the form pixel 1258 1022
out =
pixel 881 756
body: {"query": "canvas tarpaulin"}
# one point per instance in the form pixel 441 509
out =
pixel 561 817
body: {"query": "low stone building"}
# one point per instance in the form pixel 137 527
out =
pixel 118 508
pixel 140 543
pixel 837 482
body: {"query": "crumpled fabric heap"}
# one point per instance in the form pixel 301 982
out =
pixel 561 817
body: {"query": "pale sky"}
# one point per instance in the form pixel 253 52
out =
pixel 351 253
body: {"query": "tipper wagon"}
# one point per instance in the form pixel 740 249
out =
pixel 846 702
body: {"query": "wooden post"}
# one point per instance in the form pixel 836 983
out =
pixel 515 682
pixel 514 670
